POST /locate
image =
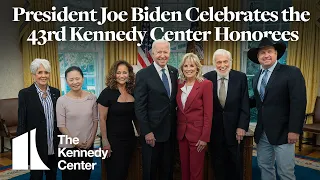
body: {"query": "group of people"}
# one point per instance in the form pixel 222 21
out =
pixel 202 112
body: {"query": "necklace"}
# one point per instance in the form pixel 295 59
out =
pixel 44 95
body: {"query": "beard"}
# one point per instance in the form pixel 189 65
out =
pixel 223 74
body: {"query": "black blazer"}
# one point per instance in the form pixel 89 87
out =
pixel 284 105
pixel 31 115
pixel 155 111
pixel 236 112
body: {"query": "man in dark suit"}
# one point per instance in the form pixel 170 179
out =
pixel 231 116
pixel 280 97
pixel 36 109
pixel 155 107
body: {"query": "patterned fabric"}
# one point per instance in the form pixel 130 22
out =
pixel 222 93
pixel 303 161
pixel 165 81
pixel 263 83
pixel 144 51
pixel 47 104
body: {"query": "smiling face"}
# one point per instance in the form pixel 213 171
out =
pixel 42 76
pixel 122 74
pixel 74 80
pixel 223 65
pixel 189 69
pixel 267 56
pixel 161 53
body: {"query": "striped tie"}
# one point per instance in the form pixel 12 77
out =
pixel 263 83
pixel 222 93
pixel 165 81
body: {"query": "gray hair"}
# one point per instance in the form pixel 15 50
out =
pixel 36 64
pixel 158 41
pixel 222 52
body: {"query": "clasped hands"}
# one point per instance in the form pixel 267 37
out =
pixel 83 145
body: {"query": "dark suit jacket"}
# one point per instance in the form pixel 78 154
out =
pixel 155 111
pixel 195 119
pixel 31 115
pixel 235 114
pixel 284 105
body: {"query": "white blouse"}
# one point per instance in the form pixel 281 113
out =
pixel 185 93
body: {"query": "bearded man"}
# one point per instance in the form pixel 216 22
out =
pixel 231 116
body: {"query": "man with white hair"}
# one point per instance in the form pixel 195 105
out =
pixel 231 116
pixel 155 107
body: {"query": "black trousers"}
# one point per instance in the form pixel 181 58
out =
pixel 157 161
pixel 117 165
pixel 227 160
pixel 51 174
pixel 76 174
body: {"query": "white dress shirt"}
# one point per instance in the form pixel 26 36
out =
pixel 185 93
pixel 158 68
pixel 226 81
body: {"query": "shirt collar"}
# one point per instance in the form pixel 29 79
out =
pixel 40 91
pixel 158 68
pixel 219 77
pixel 271 68
pixel 184 88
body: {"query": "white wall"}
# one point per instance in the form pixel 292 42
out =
pixel 11 74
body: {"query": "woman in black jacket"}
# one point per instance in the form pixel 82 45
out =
pixel 37 110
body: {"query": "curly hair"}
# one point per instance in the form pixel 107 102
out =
pixel 111 79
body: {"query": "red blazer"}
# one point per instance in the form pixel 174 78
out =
pixel 195 120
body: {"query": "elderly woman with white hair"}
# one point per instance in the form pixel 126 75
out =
pixel 37 110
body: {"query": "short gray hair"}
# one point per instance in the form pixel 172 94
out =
pixel 222 52
pixel 36 64
pixel 160 41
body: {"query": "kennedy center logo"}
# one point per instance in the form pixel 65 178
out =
pixel 20 153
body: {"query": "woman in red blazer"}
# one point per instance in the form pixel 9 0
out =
pixel 195 109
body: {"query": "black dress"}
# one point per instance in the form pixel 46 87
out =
pixel 120 133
